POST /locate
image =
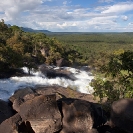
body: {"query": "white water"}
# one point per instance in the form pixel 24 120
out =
pixel 81 84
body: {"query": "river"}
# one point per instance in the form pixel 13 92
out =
pixel 81 82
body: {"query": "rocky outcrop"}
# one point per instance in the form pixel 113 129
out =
pixel 122 114
pixel 53 110
pixel 11 125
pixel 25 93
pixel 42 113
pixel 77 116
pixel 15 124
pixel 20 96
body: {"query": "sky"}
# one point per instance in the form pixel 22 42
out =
pixel 69 15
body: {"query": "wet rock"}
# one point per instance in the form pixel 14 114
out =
pixel 7 73
pixel 50 72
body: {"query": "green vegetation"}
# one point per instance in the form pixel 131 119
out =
pixel 118 78
pixel 95 47
pixel 19 48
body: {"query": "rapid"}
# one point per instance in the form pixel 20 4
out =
pixel 81 83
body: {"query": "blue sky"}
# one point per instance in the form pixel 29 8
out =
pixel 69 15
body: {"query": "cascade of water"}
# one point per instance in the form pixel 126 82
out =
pixel 81 84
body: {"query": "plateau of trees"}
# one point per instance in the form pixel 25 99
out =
pixel 95 47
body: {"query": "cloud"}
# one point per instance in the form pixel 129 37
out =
pixel 91 24
pixel 106 1
pixel 130 24
pixel 65 2
pixel 125 18
pixel 13 8
pixel 67 24
pixel 119 8
pixel 103 23
pixel 39 14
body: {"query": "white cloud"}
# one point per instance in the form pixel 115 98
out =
pixel 130 24
pixel 67 24
pixel 103 22
pixel 125 18
pixel 13 8
pixel 35 14
pixel 119 8
pixel 107 1
pixel 65 2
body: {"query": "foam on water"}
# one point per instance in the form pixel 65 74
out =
pixel 81 84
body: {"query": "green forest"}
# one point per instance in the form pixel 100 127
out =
pixel 19 48
pixel 108 55
pixel 96 47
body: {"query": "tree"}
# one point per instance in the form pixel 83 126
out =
pixel 29 61
pixel 10 58
pixel 118 80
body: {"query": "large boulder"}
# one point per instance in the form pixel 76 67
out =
pixel 122 114
pixel 15 124
pixel 42 114
pixel 20 96
pixel 11 125
pixel 28 93
pixel 79 116
pixel 52 109
pixel 5 111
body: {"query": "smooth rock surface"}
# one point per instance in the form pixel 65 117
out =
pixel 122 114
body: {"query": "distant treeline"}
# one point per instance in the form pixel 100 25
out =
pixel 95 47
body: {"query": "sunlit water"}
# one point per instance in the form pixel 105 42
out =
pixel 81 84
